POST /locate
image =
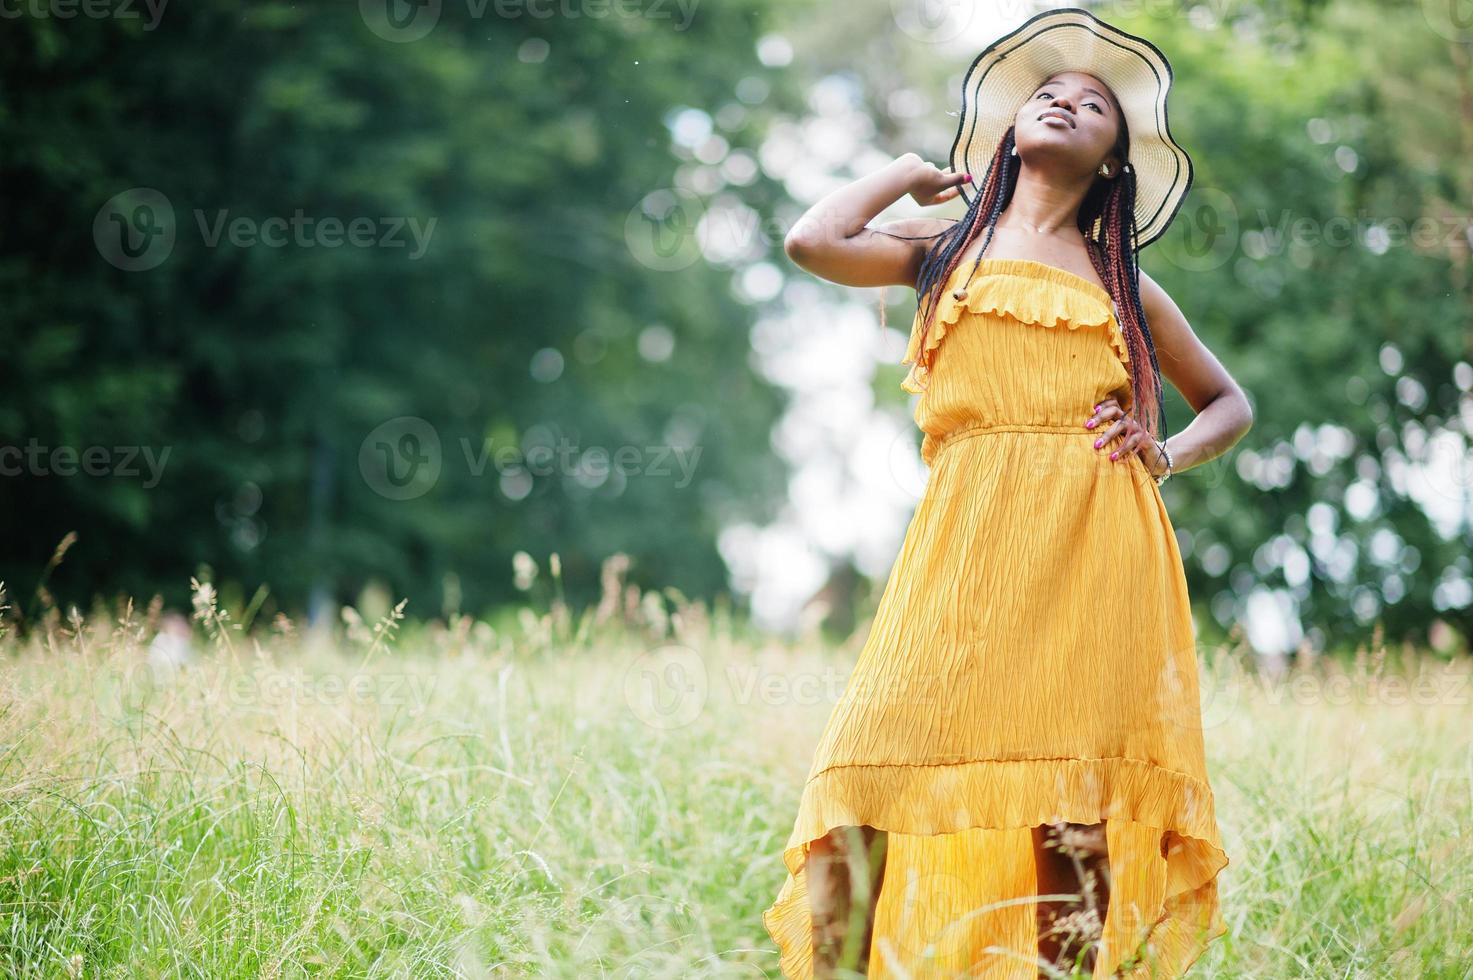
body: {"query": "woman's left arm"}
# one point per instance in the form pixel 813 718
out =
pixel 1223 414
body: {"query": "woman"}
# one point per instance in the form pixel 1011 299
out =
pixel 1014 777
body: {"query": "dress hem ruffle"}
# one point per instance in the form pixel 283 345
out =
pixel 948 798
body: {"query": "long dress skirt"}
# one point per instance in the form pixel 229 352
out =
pixel 1032 660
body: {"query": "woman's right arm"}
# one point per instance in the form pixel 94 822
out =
pixel 832 239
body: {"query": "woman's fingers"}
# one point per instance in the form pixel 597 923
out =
pixel 1108 436
pixel 1131 445
pixel 1104 412
pixel 1113 423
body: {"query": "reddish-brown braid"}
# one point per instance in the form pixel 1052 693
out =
pixel 1107 221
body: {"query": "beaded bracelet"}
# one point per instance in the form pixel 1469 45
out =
pixel 1161 445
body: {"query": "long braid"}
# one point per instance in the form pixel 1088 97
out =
pixel 942 259
pixel 1116 258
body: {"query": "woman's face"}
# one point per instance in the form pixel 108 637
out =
pixel 1071 115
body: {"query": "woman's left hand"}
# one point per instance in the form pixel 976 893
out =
pixel 1114 423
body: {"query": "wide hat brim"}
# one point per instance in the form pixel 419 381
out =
pixel 1071 39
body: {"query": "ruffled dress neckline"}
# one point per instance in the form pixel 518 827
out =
pixel 1026 290
pixel 1031 267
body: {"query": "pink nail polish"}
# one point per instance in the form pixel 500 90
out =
pixel 1097 443
pixel 1090 424
pixel 1112 455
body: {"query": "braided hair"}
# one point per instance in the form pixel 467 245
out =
pixel 1107 220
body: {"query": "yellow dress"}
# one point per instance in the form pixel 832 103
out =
pixel 1032 659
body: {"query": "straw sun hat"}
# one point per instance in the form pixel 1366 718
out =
pixel 1072 39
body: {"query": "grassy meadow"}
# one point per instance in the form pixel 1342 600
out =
pixel 606 794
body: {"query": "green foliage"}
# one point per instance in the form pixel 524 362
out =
pixel 262 371
pixel 250 383
pixel 1316 259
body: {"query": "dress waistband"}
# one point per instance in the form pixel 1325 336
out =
pixel 933 444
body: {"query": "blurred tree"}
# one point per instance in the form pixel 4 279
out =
pixel 486 287
pixel 336 414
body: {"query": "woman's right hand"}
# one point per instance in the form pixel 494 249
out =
pixel 930 184
pixel 833 238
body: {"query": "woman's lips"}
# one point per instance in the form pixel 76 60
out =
pixel 1057 115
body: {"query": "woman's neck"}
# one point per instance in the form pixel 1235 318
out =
pixel 1043 205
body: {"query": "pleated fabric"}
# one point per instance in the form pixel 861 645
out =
pixel 1032 659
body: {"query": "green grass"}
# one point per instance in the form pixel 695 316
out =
pixel 542 799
